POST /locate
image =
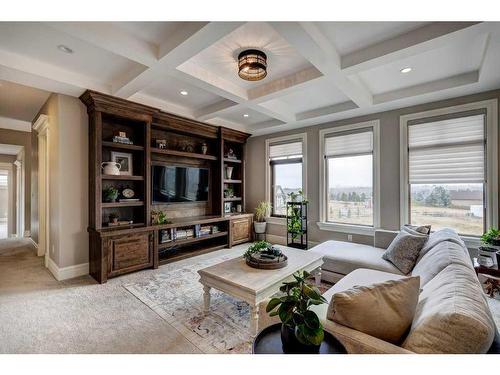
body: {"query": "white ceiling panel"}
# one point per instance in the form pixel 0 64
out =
pixel 348 37
pixel 168 88
pixel 236 116
pixel 426 67
pixel 40 42
pixel 152 32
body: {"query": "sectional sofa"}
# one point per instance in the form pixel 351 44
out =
pixel 452 314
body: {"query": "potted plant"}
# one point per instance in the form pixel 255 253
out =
pixel 491 237
pixel 110 194
pixel 301 330
pixel 261 212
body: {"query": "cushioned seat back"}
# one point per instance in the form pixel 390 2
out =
pixel 452 315
pixel 438 258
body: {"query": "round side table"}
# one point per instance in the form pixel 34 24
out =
pixel 269 342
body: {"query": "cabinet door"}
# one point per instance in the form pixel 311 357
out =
pixel 129 252
pixel 241 230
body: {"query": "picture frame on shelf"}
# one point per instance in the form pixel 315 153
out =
pixel 227 207
pixel 125 160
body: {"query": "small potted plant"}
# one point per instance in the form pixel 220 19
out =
pixel 110 194
pixel 228 192
pixel 491 237
pixel 261 212
pixel 113 218
pixel 301 330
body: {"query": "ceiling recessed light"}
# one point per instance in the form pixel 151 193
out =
pixel 246 115
pixel 64 48
pixel 406 70
pixel 183 92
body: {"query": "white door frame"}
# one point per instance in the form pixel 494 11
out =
pixel 20 189
pixel 41 126
pixel 10 203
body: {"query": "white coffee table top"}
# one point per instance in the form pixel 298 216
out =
pixel 237 273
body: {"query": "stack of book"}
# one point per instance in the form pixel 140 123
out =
pixel 204 230
pixel 125 140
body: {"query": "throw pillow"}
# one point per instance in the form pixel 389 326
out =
pixel 405 248
pixel 383 310
pixel 423 229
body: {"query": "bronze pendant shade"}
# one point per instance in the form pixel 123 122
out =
pixel 252 65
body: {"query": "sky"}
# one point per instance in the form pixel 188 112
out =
pixel 351 171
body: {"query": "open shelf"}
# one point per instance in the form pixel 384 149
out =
pixel 235 199
pixel 189 253
pixel 122 177
pixel 193 155
pixel 191 240
pixel 122 204
pixel 122 146
pixel 124 226
pixel 232 181
pixel 228 160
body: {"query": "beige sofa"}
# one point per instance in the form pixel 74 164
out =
pixel 452 314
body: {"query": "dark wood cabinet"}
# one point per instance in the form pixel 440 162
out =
pixel 155 138
pixel 241 229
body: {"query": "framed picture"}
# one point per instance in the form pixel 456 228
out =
pixel 227 207
pixel 125 160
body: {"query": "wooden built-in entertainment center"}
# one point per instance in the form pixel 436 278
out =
pixel 135 242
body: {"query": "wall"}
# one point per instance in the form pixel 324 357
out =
pixel 68 180
pixel 389 161
pixel 14 137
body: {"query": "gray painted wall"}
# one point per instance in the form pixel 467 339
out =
pixel 389 166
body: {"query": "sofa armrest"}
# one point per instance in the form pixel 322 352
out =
pixel 383 238
pixel 357 342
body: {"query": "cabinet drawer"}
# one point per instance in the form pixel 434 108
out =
pixel 131 251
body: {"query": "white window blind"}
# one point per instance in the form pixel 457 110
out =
pixel 349 144
pixel 283 150
pixel 447 151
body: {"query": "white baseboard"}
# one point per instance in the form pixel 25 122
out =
pixel 281 240
pixel 64 273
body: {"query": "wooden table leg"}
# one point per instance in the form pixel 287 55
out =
pixel 254 320
pixel 206 299
pixel 317 276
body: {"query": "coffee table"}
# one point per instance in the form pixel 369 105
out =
pixel 252 285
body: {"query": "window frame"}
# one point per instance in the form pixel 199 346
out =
pixel 490 107
pixel 323 224
pixel 302 137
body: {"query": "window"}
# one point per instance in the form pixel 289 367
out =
pixel 446 168
pixel 349 179
pixel 285 170
pixel 449 168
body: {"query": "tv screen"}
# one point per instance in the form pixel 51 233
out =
pixel 179 184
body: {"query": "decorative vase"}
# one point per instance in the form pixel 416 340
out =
pixel 229 172
pixel 204 148
pixel 291 345
pixel 111 168
pixel 259 227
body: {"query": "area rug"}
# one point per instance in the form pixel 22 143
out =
pixel 176 295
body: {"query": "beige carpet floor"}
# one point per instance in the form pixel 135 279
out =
pixel 41 315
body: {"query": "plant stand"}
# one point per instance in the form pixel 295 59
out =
pixel 296 224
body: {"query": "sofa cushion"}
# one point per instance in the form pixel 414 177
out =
pixel 344 257
pixel 442 235
pixel 440 256
pixel 452 315
pixel 404 250
pixel 384 310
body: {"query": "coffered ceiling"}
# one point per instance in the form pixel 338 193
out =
pixel 317 71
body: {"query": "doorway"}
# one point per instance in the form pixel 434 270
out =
pixel 5 202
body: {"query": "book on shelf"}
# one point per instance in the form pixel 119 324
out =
pixel 124 140
pixel 121 222
pixel 123 200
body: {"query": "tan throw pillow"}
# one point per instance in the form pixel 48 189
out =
pixel 383 310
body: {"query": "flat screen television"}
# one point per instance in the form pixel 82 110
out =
pixel 179 184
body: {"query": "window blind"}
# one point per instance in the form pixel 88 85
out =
pixel 281 150
pixel 349 144
pixel 447 151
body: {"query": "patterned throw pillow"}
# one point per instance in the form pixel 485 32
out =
pixel 405 248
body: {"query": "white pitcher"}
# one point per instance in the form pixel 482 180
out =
pixel 111 168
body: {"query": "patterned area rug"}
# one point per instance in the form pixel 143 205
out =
pixel 176 295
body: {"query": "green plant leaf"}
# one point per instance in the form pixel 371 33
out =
pixel 311 320
pixel 273 313
pixel 273 303
pixel 311 293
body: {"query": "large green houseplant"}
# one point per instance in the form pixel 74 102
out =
pixel 261 212
pixel 301 330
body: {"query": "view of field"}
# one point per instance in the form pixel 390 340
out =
pixel 350 212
